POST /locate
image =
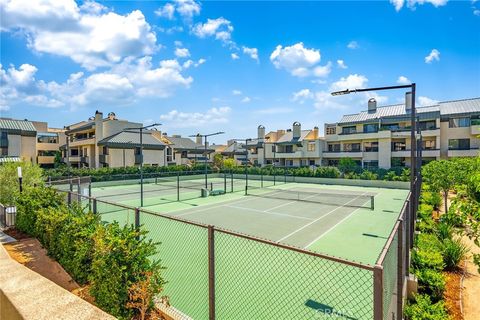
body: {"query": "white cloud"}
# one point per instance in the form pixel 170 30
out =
pixel 246 100
pixel 92 39
pixel 182 52
pixel 185 8
pixel 178 119
pixel 236 92
pixel 353 81
pixel 425 101
pixel 106 87
pixel 235 56
pixel 167 11
pixel 353 45
pixel 302 95
pixel 476 12
pixel 398 4
pixel 403 80
pixel 341 64
pixel 251 52
pixel 433 56
pixel 299 61
pixel 219 28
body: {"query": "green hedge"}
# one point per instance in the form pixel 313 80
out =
pixel 108 257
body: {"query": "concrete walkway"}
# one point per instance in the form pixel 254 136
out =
pixel 4 238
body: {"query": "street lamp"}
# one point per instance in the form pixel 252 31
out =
pixel 141 156
pixel 410 95
pixel 206 136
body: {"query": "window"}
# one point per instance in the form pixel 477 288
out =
pixel 105 150
pixel 370 146
pixel 289 163
pixel 459 144
pixel 331 130
pixel 459 122
pixel 273 148
pixel 311 162
pixel 334 147
pixel 332 163
pixel 428 145
pixel 47 139
pixel 311 146
pixel 370 164
pixel 4 144
pixel 349 130
pixel 184 154
pixel 351 147
pixel 368 128
pixel 427 125
pixel 46 153
pixel 398 162
pixel 169 151
pixel 74 152
pixel 137 151
pixel 289 149
pixel 390 126
pixel 399 146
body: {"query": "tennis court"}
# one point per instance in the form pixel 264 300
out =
pixel 265 279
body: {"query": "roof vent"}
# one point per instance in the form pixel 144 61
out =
pixel 112 116
pixel 372 105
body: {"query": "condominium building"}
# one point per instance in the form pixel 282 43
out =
pixel 181 150
pixel 31 141
pixel 380 136
pixel 287 148
pixel 111 142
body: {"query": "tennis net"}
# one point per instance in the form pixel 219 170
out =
pixel 355 200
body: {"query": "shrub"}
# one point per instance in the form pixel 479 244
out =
pixel 422 308
pixel 31 202
pixel 327 172
pixel 390 176
pixel 368 175
pixel 431 198
pixel 347 165
pixel 431 282
pixel 453 219
pixel 120 259
pixel 425 211
pixel 428 253
pixel 426 225
pixel 444 231
pixel 453 252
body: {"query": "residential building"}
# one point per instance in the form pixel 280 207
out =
pixel 287 148
pixel 111 142
pixel 31 141
pixel 181 150
pixel 380 136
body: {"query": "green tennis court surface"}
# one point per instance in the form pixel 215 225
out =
pixel 255 280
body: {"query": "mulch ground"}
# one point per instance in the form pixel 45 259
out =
pixel 16 234
pixel 452 294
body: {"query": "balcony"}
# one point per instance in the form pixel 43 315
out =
pixel 289 155
pixel 430 153
pixel 45 159
pixel 72 159
pixel 361 135
pixel 81 142
pixel 343 154
pixel 472 152
pixel 84 159
pixel 475 128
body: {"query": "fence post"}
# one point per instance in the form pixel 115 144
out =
pixel 211 273
pixel 400 271
pixel 137 221
pixel 89 189
pixel 69 197
pixel 94 209
pixel 378 292
pixel 178 186
pixel 231 180
pixel 225 182
pixel 261 177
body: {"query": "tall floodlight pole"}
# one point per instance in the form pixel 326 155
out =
pixel 205 136
pixel 246 153
pixel 410 99
pixel 141 155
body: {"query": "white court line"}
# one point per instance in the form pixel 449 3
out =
pixel 206 208
pixel 286 204
pixel 318 219
pixel 272 213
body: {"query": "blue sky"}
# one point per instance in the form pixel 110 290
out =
pixel 230 66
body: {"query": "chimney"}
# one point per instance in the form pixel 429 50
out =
pixel 408 102
pixel 315 132
pixel 297 128
pixel 198 139
pixel 261 132
pixel 372 105
pixel 112 116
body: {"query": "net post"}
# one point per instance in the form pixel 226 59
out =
pixel 378 292
pixel 225 182
pixel 71 184
pixel 79 197
pixel 284 176
pixel 246 190
pixel 372 202
pixel 137 222
pixel 69 198
pixel 400 266
pixel 211 186
pixel 94 209
pixel 274 176
pixel 261 178
pixel 231 180
pixel 178 186
pixel 211 272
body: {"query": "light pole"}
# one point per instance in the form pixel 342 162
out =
pixel 410 98
pixel 246 154
pixel 206 143
pixel 141 156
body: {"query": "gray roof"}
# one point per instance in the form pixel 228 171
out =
pixel 186 144
pixel 131 139
pixel 22 127
pixel 287 138
pixel 88 125
pixel 397 112
pixel 234 148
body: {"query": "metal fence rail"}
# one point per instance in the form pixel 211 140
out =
pixel 216 273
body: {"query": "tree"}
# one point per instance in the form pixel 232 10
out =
pixel 57 161
pixel 440 175
pixel 32 175
pixel 229 163
pixel 347 165
pixel 218 161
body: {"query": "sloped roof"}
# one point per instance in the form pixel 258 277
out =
pixel 234 148
pixel 186 144
pixel 398 112
pixel 287 138
pixel 22 127
pixel 131 139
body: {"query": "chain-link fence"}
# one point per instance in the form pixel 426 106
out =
pixel 215 273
